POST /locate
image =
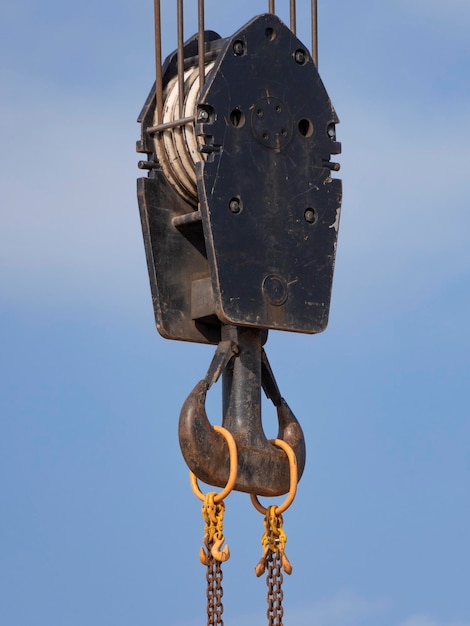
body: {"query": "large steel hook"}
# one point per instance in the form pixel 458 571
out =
pixel 262 467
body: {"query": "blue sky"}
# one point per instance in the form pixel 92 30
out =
pixel 98 523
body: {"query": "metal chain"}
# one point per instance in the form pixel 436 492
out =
pixel 273 561
pixel 214 553
pixel 214 592
pixel 212 556
pixel 275 594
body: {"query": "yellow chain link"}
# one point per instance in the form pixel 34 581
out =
pixel 213 515
pixel 273 541
pixel 274 536
pixel 213 508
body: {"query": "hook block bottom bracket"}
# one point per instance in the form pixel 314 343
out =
pixel 257 247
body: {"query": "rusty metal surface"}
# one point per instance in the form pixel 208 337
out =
pixel 262 468
pixel 275 594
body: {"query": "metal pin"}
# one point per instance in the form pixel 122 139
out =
pixel 188 218
pixel 194 61
pixel 334 167
pixel 158 62
pixel 271 8
pixel 152 130
pixel 147 165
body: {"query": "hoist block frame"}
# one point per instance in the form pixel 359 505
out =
pixel 259 248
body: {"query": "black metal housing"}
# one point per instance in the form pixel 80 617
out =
pixel 259 249
pixel 176 256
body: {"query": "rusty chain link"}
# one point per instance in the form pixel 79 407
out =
pixel 214 591
pixel 275 594
pixel 274 559
pixel 212 556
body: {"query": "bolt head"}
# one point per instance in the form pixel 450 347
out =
pixel 300 57
pixel 203 115
pixel 238 48
pixel 234 205
pixel 310 216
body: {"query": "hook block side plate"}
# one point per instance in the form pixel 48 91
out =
pixel 269 205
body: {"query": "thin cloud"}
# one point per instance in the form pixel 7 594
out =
pixel 426 620
pixel 343 609
pixel 444 13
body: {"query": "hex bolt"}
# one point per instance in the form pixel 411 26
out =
pixel 235 205
pixel 203 115
pixel 300 57
pixel 310 216
pixel 238 48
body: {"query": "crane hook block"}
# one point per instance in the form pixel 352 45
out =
pixel 254 245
